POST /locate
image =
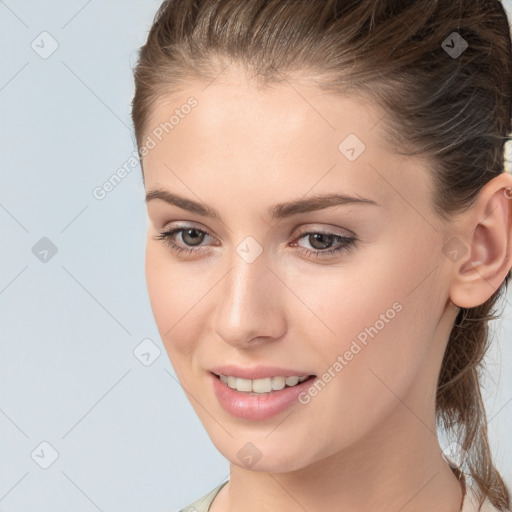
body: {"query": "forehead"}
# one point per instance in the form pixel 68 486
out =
pixel 288 135
pixel 287 109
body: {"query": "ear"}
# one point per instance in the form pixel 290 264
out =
pixel 487 240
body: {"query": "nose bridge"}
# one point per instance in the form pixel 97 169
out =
pixel 244 290
pixel 249 296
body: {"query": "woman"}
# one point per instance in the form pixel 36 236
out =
pixel 329 232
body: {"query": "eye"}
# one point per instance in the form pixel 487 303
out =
pixel 189 235
pixel 322 240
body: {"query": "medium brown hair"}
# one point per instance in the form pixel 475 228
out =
pixel 455 110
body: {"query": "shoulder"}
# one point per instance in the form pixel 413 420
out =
pixel 203 503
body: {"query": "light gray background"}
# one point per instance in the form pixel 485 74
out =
pixel 127 438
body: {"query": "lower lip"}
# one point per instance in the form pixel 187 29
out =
pixel 254 407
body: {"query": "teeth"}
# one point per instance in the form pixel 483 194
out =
pixel 260 386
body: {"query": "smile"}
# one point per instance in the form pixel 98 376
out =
pixel 261 386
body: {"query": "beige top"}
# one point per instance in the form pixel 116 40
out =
pixel 203 504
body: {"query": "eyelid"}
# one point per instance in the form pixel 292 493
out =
pixel 347 233
pixel 171 226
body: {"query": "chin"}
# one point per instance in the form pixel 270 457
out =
pixel 257 453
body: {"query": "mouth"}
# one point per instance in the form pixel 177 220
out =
pixel 264 386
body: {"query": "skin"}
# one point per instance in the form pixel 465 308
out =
pixel 368 439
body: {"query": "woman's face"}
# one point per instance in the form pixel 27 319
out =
pixel 273 280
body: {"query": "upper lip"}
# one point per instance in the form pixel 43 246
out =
pixel 257 372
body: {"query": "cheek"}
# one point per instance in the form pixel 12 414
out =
pixel 172 298
pixel 375 339
pixel 160 293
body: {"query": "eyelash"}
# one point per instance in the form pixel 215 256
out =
pixel 347 242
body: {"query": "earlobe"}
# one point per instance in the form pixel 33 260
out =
pixel 486 263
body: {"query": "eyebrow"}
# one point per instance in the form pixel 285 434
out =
pixel 277 211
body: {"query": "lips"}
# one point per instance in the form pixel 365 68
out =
pixel 256 407
pixel 259 372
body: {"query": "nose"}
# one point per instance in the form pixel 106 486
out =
pixel 250 308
